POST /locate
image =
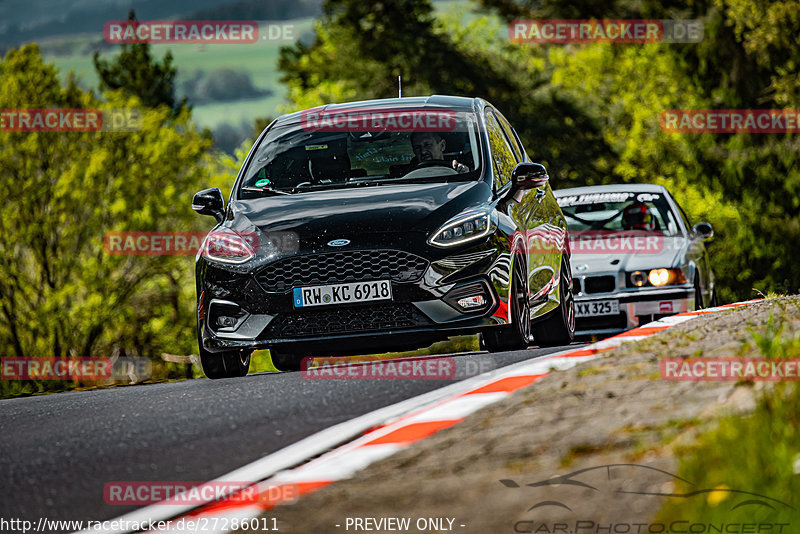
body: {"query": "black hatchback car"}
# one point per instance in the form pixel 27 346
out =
pixel 382 225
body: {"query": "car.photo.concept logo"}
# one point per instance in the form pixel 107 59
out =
pixel 568 503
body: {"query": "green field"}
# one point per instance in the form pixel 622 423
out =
pixel 259 60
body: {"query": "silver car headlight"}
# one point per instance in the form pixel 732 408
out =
pixel 465 227
pixel 657 277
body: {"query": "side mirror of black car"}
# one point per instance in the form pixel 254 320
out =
pixel 704 230
pixel 209 202
pixel 528 175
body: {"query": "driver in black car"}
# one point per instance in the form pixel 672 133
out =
pixel 429 146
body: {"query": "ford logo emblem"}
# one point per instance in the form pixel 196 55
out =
pixel 338 242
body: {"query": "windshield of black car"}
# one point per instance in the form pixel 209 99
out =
pixel 619 211
pixel 305 155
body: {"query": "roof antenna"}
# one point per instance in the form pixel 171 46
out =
pixel 399 86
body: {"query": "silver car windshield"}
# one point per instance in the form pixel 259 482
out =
pixel 619 211
pixel 319 154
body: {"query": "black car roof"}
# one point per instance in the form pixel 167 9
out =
pixel 455 103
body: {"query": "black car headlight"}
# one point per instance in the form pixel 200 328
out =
pixel 226 246
pixel 465 227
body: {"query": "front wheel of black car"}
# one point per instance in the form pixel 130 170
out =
pixel 559 327
pixel 225 364
pixel 516 336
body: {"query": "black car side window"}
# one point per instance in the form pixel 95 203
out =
pixel 519 153
pixel 502 154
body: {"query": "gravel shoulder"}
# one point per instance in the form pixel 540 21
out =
pixel 610 411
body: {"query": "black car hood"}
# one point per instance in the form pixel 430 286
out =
pixel 362 210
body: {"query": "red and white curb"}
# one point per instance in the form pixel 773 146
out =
pixel 377 435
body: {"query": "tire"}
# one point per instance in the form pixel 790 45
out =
pixel 559 327
pixel 517 335
pixel 225 364
pixel 285 361
pixel 698 295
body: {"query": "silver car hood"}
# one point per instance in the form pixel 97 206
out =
pixel 667 253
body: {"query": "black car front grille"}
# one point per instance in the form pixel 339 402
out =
pixel 352 319
pixel 599 284
pixel 340 267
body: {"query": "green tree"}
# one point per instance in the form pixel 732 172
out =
pixel 747 185
pixel 62 293
pixel 136 72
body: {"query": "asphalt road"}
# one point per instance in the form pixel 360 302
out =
pixel 58 451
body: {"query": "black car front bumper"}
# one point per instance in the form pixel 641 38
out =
pixel 255 310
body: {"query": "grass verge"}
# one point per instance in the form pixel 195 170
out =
pixel 758 453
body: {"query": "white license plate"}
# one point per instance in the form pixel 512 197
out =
pixel 342 293
pixel 596 307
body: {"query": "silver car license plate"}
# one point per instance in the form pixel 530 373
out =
pixel 596 308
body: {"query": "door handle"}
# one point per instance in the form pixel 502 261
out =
pixel 540 194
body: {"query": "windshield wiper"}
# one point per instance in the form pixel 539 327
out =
pixel 266 189
pixel 300 186
pixel 594 224
pixel 332 185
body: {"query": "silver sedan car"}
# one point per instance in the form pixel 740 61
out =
pixel 635 257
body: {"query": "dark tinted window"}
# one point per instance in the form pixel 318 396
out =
pixel 355 149
pixel 515 145
pixel 502 155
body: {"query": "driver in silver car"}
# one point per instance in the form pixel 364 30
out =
pixel 637 216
